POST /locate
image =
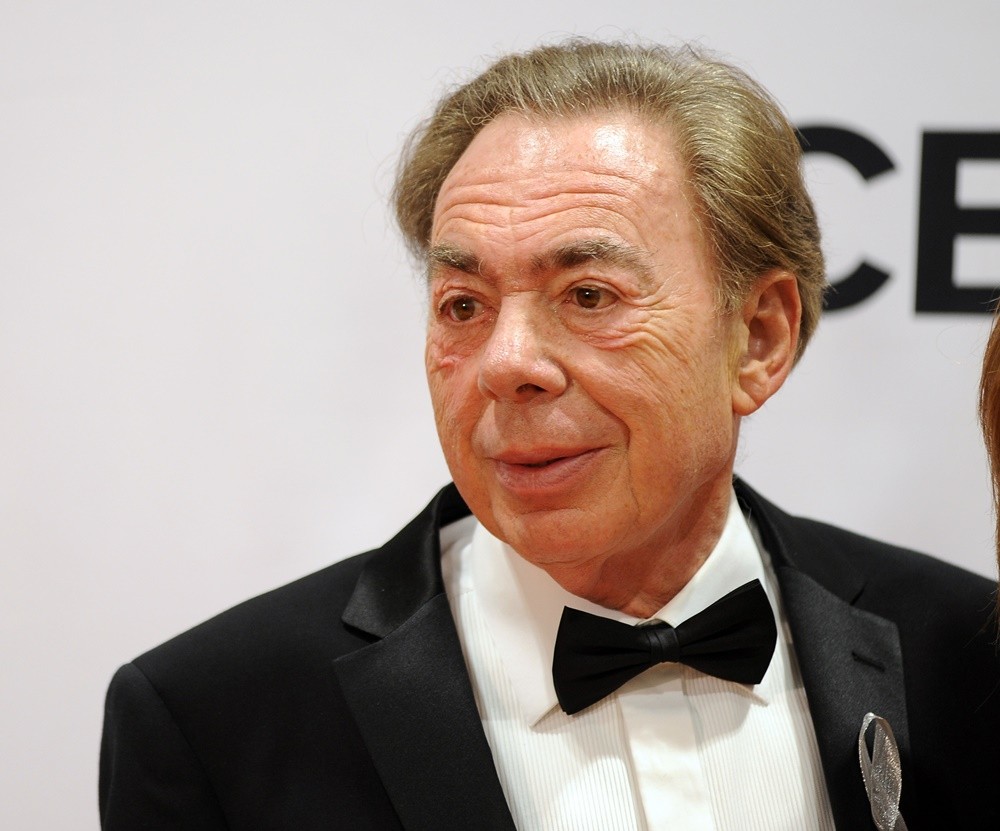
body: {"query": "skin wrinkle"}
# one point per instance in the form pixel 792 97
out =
pixel 633 333
pixel 642 388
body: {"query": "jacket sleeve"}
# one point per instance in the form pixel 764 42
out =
pixel 150 777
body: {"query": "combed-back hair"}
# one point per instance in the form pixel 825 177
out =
pixel 742 156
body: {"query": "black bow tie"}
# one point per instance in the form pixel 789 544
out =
pixel 732 639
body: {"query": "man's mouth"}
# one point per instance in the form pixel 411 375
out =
pixel 533 474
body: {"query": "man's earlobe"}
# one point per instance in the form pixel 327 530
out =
pixel 770 316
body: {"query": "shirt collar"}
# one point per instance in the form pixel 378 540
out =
pixel 522 604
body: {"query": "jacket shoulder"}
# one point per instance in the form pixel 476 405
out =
pixel 854 565
pixel 295 625
pixel 242 717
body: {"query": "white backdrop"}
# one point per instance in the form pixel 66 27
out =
pixel 210 340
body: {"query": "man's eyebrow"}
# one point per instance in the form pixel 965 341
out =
pixel 450 256
pixel 598 250
pixel 571 255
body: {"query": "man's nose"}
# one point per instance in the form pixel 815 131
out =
pixel 520 359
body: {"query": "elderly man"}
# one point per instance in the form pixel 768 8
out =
pixel 622 263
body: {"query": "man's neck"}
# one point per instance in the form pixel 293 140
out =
pixel 642 581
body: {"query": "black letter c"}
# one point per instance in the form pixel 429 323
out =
pixel 869 160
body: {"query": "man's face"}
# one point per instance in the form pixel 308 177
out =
pixel 581 375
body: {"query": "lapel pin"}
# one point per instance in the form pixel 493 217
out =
pixel 882 773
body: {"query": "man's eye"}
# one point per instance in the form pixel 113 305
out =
pixel 461 308
pixel 588 297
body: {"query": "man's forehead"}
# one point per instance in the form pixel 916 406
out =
pixel 609 189
pixel 610 140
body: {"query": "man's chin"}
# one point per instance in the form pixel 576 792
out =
pixel 551 537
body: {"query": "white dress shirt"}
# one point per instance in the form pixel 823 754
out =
pixel 673 748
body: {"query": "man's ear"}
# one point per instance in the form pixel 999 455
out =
pixel 767 340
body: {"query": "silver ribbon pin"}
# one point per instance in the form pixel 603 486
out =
pixel 882 773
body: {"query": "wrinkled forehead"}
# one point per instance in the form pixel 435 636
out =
pixel 544 195
pixel 535 156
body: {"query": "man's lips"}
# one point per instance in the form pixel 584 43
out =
pixel 526 472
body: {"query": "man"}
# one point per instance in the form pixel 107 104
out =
pixel 622 263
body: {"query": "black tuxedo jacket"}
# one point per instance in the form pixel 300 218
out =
pixel 341 701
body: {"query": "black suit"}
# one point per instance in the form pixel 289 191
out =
pixel 341 701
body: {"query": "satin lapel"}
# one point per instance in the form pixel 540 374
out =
pixel 409 691
pixel 851 665
pixel 850 659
